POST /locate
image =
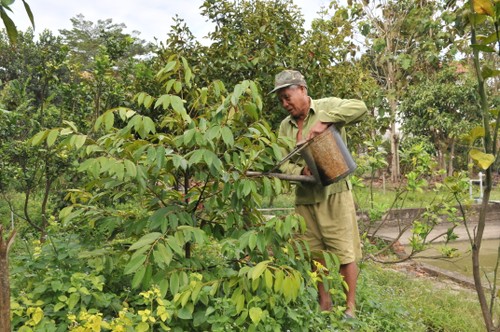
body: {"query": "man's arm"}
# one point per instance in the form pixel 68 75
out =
pixel 339 112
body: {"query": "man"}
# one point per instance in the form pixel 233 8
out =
pixel 329 211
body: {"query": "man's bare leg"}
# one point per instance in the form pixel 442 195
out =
pixel 325 299
pixel 350 273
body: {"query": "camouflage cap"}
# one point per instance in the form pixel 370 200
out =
pixel 287 78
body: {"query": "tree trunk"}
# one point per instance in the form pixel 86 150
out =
pixel 4 280
pixel 476 248
pixel 395 171
pixel 392 96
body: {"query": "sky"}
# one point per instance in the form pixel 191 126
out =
pixel 152 18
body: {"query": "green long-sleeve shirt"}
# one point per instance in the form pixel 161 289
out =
pixel 338 111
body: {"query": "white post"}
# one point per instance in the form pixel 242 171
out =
pixel 481 185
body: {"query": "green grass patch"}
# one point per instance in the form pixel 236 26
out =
pixel 389 300
pixel 383 197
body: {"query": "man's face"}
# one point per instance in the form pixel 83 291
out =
pixel 294 99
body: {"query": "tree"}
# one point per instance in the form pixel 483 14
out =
pixel 405 37
pixel 479 21
pixel 169 206
pixel 442 107
pixel 484 15
pixel 253 40
pixel 86 40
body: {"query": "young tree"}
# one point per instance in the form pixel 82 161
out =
pixel 484 15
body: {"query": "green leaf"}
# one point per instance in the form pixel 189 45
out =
pixel 38 137
pixel 488 72
pixel 79 140
pixel 148 101
pixel 188 135
pixel 251 110
pixel 279 276
pixel 196 157
pixel 138 276
pixel 149 125
pixel 131 168
pixel 177 86
pixel 177 104
pixel 134 264
pixel 185 312
pixel 174 244
pixel 65 212
pixel 52 136
pixel 477 132
pixel 255 314
pixel 9 26
pixel 146 240
pixel 73 300
pixel 252 241
pixel 59 306
pixel 165 253
pixel 119 170
pixel 239 303
pixel 174 283
pixel 483 48
pixel 227 136
pixel 142 327
pixel 30 14
pixel 164 101
pixel 109 120
pixel 140 98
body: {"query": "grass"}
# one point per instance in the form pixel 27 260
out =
pixel 389 300
pixel 383 197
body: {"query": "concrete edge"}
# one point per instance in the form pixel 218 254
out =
pixel 456 277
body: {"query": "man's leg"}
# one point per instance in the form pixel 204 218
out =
pixel 325 299
pixel 350 274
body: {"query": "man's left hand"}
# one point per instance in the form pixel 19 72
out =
pixel 317 129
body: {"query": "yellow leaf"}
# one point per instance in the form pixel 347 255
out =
pixel 269 279
pixel 483 7
pixel 259 269
pixel 37 316
pixel 484 160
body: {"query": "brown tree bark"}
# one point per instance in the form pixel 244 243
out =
pixel 4 280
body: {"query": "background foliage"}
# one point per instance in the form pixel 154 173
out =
pixel 123 163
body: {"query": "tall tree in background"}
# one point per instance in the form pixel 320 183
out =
pixel 253 40
pixel 104 57
pixel 441 108
pixel 404 37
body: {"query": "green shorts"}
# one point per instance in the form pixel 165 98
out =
pixel 332 226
